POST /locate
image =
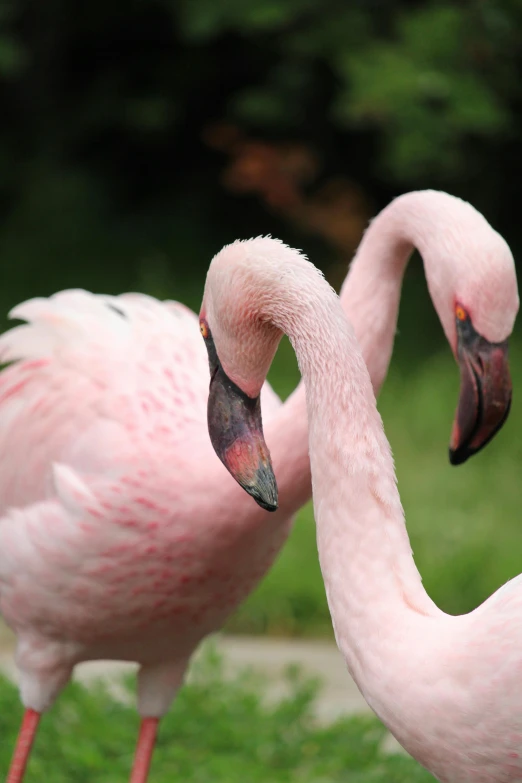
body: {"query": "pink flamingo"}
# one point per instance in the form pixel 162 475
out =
pixel 446 687
pixel 122 537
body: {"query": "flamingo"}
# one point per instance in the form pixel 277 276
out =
pixel 122 537
pixel 446 687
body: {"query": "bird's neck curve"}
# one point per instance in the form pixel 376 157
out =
pixel 370 297
pixel 371 291
pixel 372 584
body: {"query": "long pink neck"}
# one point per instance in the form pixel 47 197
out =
pixel 370 297
pixel 372 583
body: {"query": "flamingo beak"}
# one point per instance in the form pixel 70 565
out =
pixel 236 433
pixel 485 392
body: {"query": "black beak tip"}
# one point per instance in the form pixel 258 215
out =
pixel 460 455
pixel 264 489
pixel 463 452
pixel 266 504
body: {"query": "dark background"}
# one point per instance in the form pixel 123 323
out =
pixel 137 137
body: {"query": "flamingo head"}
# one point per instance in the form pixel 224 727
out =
pixel 474 290
pixel 230 319
pixel 236 431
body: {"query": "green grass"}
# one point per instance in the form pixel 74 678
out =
pixel 217 732
pixel 464 522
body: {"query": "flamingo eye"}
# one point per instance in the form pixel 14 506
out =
pixel 460 313
pixel 203 328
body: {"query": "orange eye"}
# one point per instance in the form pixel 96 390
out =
pixel 203 328
pixel 460 313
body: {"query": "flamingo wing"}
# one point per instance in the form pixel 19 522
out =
pixel 93 380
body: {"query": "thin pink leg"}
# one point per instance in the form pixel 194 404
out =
pixel 24 743
pixel 144 750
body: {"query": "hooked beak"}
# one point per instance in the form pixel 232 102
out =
pixel 485 392
pixel 236 432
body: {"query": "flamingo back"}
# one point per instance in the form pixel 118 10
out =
pixel 93 381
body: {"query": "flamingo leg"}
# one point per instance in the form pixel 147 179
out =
pixel 23 746
pixel 144 750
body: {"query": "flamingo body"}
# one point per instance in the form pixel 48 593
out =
pixel 447 687
pixel 99 553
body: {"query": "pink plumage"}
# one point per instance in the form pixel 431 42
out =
pixel 103 554
pixel 121 534
pixel 447 687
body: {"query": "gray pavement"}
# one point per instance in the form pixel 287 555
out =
pixel 271 657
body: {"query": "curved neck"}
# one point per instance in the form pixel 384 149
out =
pixel 370 297
pixel 370 577
pixel 371 292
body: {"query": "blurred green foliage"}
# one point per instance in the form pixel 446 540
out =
pixel 218 730
pixel 428 76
